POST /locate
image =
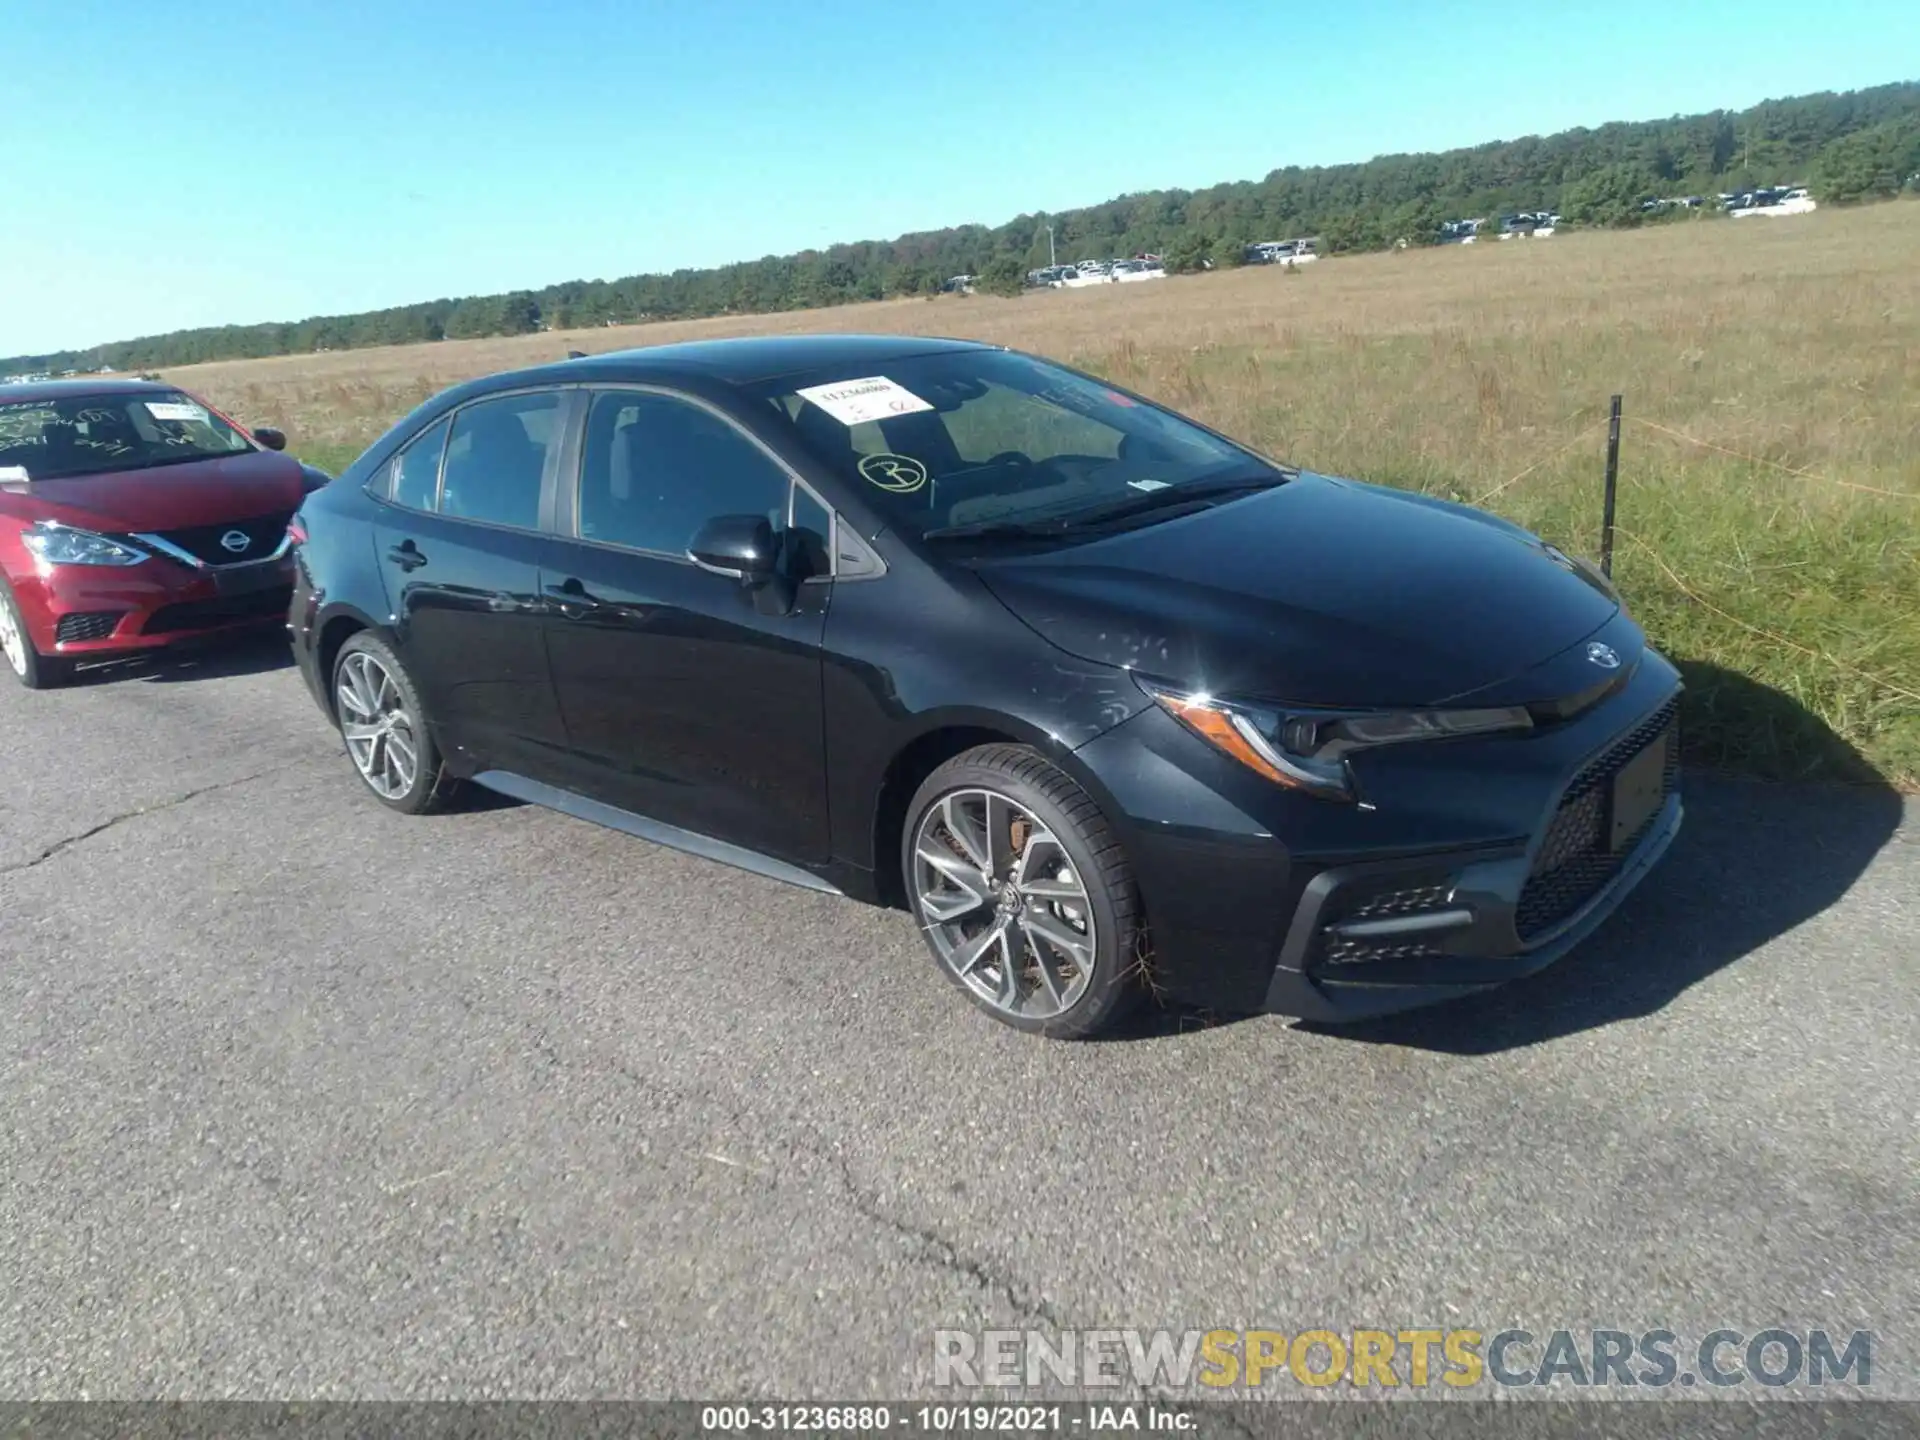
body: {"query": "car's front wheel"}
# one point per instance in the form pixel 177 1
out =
pixel 1024 893
pixel 29 666
pixel 385 727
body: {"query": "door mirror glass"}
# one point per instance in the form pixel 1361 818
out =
pixel 271 438
pixel 738 545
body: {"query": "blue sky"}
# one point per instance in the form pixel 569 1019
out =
pixel 233 161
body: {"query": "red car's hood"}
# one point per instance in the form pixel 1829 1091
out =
pixel 168 497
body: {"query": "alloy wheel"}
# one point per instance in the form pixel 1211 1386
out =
pixel 13 642
pixel 378 728
pixel 1004 905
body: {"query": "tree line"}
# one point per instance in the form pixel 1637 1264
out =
pixel 1849 147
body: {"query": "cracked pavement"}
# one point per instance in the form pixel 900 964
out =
pixel 302 1099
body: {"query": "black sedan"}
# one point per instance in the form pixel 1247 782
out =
pixel 1109 702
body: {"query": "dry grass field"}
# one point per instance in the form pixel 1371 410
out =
pixel 1769 509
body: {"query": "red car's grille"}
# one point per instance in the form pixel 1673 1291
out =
pixel 207 543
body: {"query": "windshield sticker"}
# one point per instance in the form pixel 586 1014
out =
pixel 14 475
pixel 174 410
pixel 902 474
pixel 854 402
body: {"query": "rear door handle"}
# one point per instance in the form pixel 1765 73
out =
pixel 407 555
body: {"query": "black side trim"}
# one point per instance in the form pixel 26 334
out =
pixel 536 792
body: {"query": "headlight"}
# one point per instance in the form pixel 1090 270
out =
pixel 62 545
pixel 1307 750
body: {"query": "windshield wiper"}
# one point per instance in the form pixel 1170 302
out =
pixel 1192 493
pixel 1195 490
pixel 995 530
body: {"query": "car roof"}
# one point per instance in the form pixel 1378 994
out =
pixel 745 360
pixel 81 385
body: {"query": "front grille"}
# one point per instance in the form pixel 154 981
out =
pixel 86 625
pixel 205 614
pixel 264 534
pixel 1575 861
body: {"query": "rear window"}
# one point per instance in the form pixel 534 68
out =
pixel 101 434
pixel 982 435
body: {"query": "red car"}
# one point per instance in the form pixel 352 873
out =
pixel 134 516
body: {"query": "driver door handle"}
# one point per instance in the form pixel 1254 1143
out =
pixel 407 555
pixel 571 599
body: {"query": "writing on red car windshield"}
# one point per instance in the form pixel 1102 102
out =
pixel 103 434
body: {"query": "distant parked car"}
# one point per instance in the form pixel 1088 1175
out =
pixel 1104 698
pixel 1778 201
pixel 1092 272
pixel 1282 252
pixel 135 516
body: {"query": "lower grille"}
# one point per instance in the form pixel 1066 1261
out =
pixel 1429 891
pixel 1394 903
pixel 232 610
pixel 1340 950
pixel 86 625
pixel 1575 861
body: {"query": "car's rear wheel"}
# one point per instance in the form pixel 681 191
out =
pixel 29 666
pixel 1024 893
pixel 385 727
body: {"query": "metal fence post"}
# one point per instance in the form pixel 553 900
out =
pixel 1613 481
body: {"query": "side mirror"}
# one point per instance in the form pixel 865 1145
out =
pixel 271 438
pixel 738 545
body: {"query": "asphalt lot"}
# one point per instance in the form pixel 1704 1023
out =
pixel 299 1098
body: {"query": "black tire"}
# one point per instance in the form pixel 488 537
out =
pixel 432 788
pixel 36 671
pixel 1027 778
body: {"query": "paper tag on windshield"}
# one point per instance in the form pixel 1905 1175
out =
pixel 174 410
pixel 14 475
pixel 854 402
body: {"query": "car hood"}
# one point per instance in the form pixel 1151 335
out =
pixel 1318 592
pixel 167 497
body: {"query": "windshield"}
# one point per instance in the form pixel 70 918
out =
pixel 978 437
pixel 96 434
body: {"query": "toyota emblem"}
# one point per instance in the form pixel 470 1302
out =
pixel 1605 656
pixel 235 540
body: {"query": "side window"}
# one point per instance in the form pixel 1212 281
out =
pixel 415 471
pixel 496 456
pixel 657 468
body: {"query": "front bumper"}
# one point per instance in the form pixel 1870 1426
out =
pixel 1402 970
pixel 1483 860
pixel 85 612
